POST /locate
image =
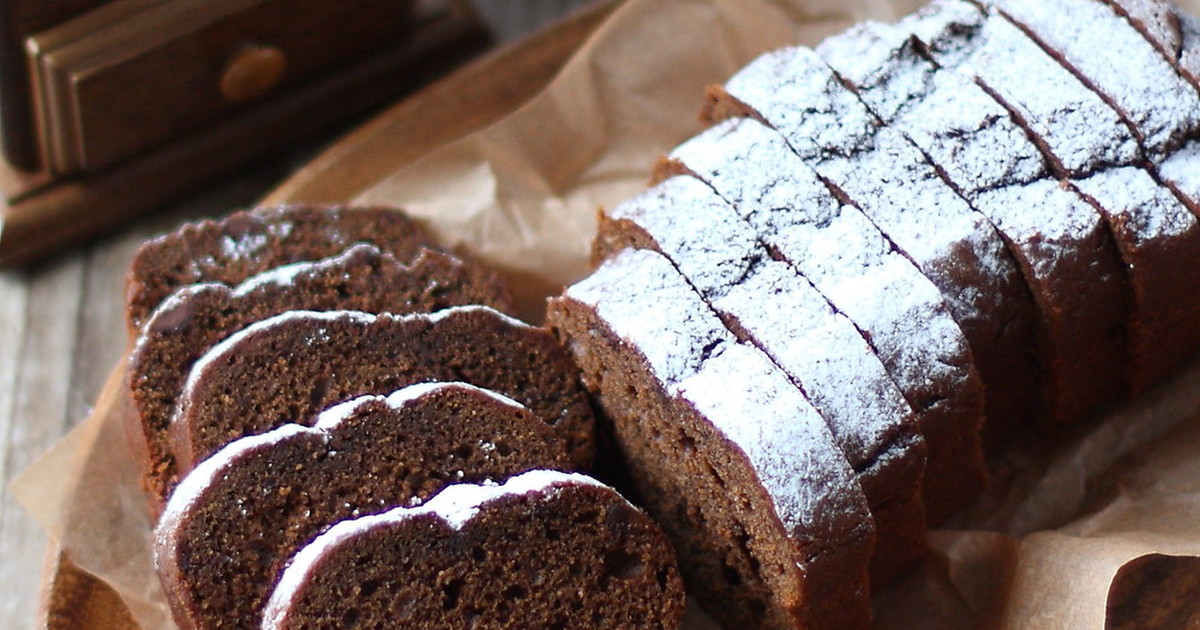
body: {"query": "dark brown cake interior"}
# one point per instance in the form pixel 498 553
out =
pixel 221 555
pixel 250 242
pixel 197 317
pixel 581 559
pixel 304 362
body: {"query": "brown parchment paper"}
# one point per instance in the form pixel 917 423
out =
pixel 1040 550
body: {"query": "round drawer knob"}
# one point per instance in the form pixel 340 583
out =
pixel 252 72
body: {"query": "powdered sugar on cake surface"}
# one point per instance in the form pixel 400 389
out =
pixel 819 351
pixel 1183 169
pixel 401 398
pixel 882 63
pixel 794 90
pixel 683 214
pixel 1080 130
pixel 1146 211
pixel 901 193
pixel 825 354
pixel 947 29
pixel 665 320
pixel 733 385
pixel 836 248
pixel 791 450
pixel 1103 48
pixel 971 137
pixel 1157 20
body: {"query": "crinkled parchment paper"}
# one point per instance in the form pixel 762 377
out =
pixel 1065 516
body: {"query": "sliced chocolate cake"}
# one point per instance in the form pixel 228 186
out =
pixel 1061 244
pixel 233 523
pixel 247 243
pixel 1159 241
pixel 288 367
pixel 195 318
pixel 965 257
pixel 543 550
pixel 769 523
pixel 765 303
pixel 898 311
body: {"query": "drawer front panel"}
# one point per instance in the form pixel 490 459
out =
pixel 169 70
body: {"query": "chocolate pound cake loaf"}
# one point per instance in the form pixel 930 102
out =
pixel 770 525
pixel 250 242
pixel 234 522
pixel 543 550
pixel 195 318
pixel 288 367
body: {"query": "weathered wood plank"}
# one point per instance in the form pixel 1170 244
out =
pixel 34 420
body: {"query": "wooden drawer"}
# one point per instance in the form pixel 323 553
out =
pixel 136 73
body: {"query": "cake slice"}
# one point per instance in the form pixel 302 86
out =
pixel 250 242
pixel 769 524
pixel 1159 241
pixel 1096 44
pixel 898 311
pixel 1061 244
pixel 1073 266
pixel 543 550
pixel 288 367
pixel 233 523
pixel 765 303
pixel 196 317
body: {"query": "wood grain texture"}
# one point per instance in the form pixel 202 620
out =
pixel 53 216
pixel 60 333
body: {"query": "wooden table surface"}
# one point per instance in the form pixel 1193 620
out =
pixel 61 332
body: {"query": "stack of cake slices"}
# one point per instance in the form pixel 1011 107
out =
pixel 885 257
pixel 304 379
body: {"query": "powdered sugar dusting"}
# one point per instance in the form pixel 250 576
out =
pixel 1183 169
pixel 465 309
pixel 1119 61
pixel 244 247
pixel 821 352
pixel 749 400
pixel 665 318
pixel 824 353
pixel 1146 211
pixel 905 197
pixel 1189 58
pixel 683 214
pixel 1080 129
pixel 882 63
pixel 1158 21
pixel 1049 223
pixel 837 249
pixel 286 275
pixel 405 397
pixel 947 28
pixel 701 244
pixel 799 94
pixel 971 136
